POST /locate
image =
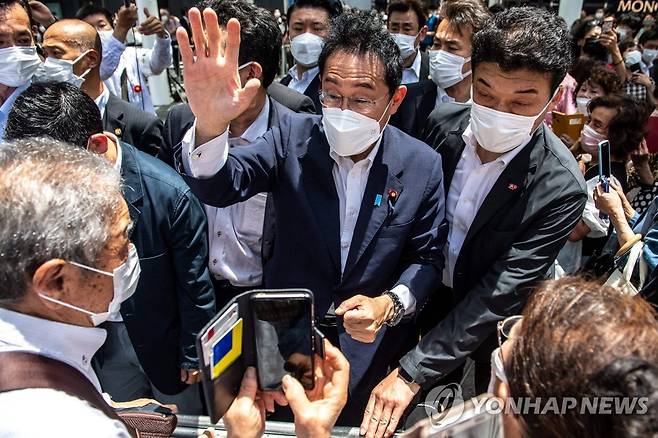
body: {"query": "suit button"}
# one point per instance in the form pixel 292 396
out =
pixel 214 261
pixel 219 234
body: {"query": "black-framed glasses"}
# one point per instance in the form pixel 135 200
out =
pixel 505 327
pixel 358 104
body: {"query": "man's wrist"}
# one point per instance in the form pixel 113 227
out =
pixel 207 130
pixel 121 33
pixel 388 307
pixel 408 379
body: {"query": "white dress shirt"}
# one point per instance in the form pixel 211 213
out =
pixel 8 104
pixel 411 74
pixel 101 100
pixel 60 414
pixel 139 63
pixel 470 185
pixel 236 232
pixel 301 84
pixel 350 179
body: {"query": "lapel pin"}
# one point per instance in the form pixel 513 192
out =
pixel 117 132
pixel 392 199
pixel 378 200
pixel 137 88
pixel 512 186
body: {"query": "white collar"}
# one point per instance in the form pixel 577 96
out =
pixel 471 142
pixel 347 160
pixel 258 127
pixel 68 343
pixel 310 73
pixel 9 102
pixel 415 66
pixel 101 100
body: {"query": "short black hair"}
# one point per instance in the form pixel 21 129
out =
pixel 405 6
pixel 462 13
pixel 525 38
pixel 333 7
pixel 4 4
pixel 91 9
pixel 57 110
pixel 361 33
pixel 649 35
pixel 260 37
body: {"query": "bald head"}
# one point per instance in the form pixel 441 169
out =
pixel 75 34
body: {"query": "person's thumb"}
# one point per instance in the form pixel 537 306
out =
pixel 146 12
pixel 294 392
pixel 249 384
pixel 348 304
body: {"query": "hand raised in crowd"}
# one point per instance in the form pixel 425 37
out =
pixel 642 79
pixel 386 405
pixel 212 83
pixel 608 40
pixel 246 416
pixel 41 13
pixel 152 26
pixel 125 20
pixel 642 153
pixel 363 316
pixel 316 412
pixel 610 203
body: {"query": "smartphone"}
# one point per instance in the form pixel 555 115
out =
pixel 606 26
pixel 635 68
pixel 284 330
pixel 604 169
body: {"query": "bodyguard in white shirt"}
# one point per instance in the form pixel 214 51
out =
pixel 406 22
pixel 67 265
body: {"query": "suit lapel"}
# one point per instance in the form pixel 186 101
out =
pixel 286 79
pixel 451 149
pixel 382 179
pixel 511 184
pixel 320 189
pixel 113 119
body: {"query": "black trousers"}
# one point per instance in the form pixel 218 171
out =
pixel 225 291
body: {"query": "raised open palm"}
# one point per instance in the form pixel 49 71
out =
pixel 212 83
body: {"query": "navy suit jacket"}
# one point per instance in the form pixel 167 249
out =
pixel 174 297
pixel 312 91
pixel 394 242
pixel 133 125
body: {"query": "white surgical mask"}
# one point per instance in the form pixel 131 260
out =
pixel 497 371
pixel 406 43
pixel 446 68
pixel 17 65
pixel 590 139
pixel 124 279
pixel 348 132
pixel 648 55
pixel 581 105
pixel 500 132
pixel 632 57
pixel 306 49
pixel 60 70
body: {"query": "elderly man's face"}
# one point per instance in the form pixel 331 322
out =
pixel 80 287
pixel 15 27
pixel 358 77
pixel 61 42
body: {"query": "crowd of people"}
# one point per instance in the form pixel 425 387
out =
pixel 411 169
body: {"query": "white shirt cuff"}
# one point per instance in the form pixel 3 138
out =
pixel 406 298
pixel 206 160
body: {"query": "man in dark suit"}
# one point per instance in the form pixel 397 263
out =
pixel 514 194
pixel 242 235
pixel 309 22
pixel 359 212
pixel 406 22
pixel 449 66
pixel 150 348
pixel 77 40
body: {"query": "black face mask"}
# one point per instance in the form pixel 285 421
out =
pixel 595 50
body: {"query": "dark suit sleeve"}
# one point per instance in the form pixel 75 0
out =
pixel 171 134
pixel 196 298
pixel 497 295
pixel 422 257
pixel 150 139
pixel 248 170
pixel 306 106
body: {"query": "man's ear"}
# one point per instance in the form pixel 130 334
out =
pixel 97 144
pixel 93 59
pixel 557 98
pixel 422 34
pixel 398 98
pixel 255 71
pixel 48 280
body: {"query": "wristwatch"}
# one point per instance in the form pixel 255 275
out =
pixel 404 375
pixel 398 309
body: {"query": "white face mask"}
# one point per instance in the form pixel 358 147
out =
pixel 124 279
pixel 306 49
pixel 500 132
pixel 17 65
pixel 60 70
pixel 581 105
pixel 406 43
pixel 590 139
pixel 446 68
pixel 648 55
pixel 497 371
pixel 348 132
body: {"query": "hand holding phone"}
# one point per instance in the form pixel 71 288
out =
pixel 604 169
pixel 606 26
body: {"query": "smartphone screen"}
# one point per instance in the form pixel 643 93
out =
pixel 604 159
pixel 284 342
pixel 635 68
pixel 606 26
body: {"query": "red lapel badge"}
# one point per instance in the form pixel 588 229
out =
pixel 512 186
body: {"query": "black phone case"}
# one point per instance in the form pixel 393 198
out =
pixel 220 393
